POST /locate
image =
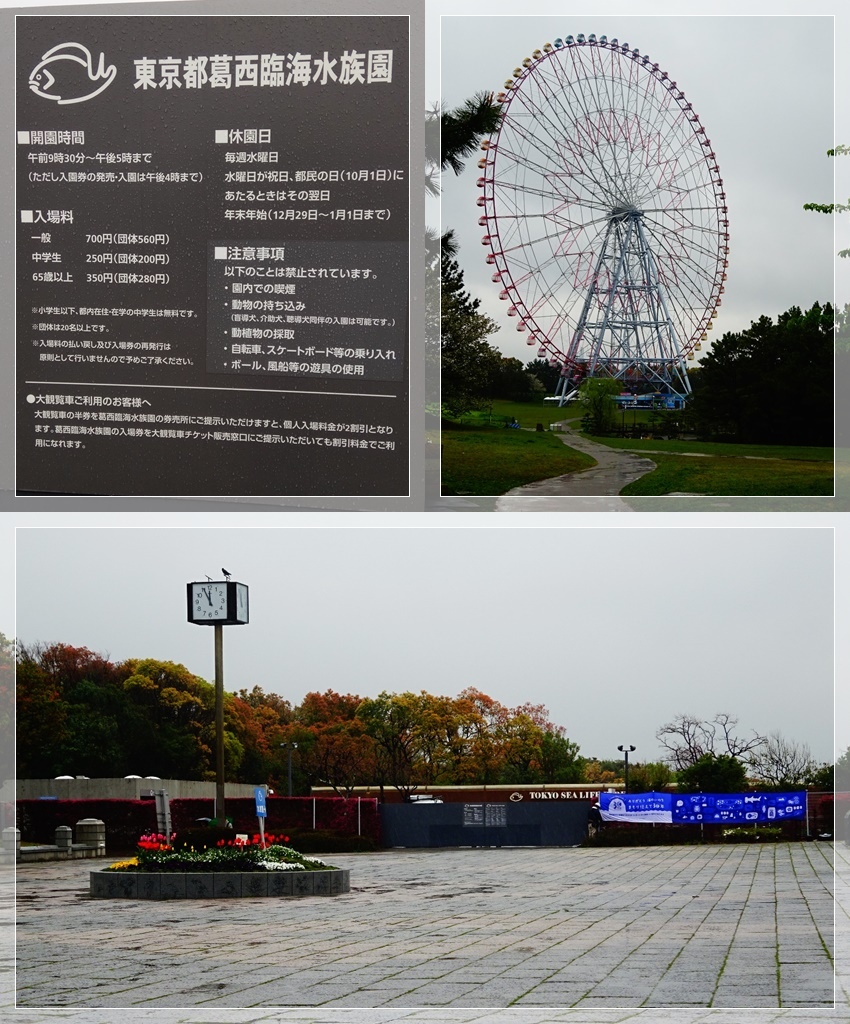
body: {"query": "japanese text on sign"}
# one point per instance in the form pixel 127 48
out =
pixel 226 71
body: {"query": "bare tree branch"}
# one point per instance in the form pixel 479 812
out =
pixel 687 738
pixel 782 762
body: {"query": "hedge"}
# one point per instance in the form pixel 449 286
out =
pixel 126 820
pixel 616 833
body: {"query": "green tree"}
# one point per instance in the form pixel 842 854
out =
pixel 390 720
pixel 770 384
pixel 649 777
pixel 831 208
pixel 822 778
pixel 469 364
pixel 456 134
pixel 842 773
pixel 549 376
pixel 54 685
pixel 41 721
pixel 596 395
pixel 713 773
pixel 513 381
pixel 559 758
pixel 172 713
pixel 94 724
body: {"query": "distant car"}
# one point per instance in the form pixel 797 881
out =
pixel 425 799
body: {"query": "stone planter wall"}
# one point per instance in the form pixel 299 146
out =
pixel 205 885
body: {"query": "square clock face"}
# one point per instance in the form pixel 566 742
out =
pixel 209 602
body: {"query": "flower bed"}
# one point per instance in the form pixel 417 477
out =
pixel 200 867
pixel 157 853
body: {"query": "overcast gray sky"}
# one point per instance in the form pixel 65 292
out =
pixel 763 88
pixel 614 630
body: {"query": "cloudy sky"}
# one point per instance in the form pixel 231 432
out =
pixel 763 88
pixel 614 630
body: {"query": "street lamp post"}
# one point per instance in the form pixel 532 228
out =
pixel 289 748
pixel 626 750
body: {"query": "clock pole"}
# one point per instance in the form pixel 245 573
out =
pixel 219 724
pixel 218 604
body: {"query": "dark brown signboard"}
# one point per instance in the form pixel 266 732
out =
pixel 212 255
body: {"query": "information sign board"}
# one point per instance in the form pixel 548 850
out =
pixel 260 801
pixel 212 255
pixel 485 815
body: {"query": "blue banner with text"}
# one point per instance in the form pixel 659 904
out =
pixel 690 808
pixel 739 808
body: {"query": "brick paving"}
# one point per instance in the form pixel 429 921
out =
pixel 513 936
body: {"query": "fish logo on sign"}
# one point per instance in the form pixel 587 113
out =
pixel 58 76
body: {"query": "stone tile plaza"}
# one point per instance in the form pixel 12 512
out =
pixel 685 934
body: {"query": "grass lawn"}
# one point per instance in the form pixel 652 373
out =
pixel 728 475
pixel 761 451
pixel 527 414
pixel 492 460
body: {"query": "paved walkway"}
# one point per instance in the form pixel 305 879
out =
pixel 514 936
pixel 615 468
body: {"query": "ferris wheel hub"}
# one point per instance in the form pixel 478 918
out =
pixel 624 213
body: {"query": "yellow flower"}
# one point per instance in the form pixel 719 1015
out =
pixel 119 864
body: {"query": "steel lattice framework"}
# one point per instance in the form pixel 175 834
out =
pixel 606 219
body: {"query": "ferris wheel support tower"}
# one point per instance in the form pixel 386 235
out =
pixel 625 325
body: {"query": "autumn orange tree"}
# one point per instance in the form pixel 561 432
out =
pixel 81 714
pixel 333 747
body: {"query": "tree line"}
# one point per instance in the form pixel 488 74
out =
pixel 78 713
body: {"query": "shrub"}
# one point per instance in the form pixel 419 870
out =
pixel 760 834
pixel 322 841
pixel 635 834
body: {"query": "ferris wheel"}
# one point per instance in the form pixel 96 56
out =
pixel 605 216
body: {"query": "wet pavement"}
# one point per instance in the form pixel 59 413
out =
pixel 513 936
pixel 614 470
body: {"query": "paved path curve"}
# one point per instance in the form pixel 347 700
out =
pixel 615 468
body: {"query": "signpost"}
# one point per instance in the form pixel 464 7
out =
pixel 212 255
pixel 260 802
pixel 163 814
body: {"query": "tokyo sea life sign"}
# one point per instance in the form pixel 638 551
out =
pixel 212 255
